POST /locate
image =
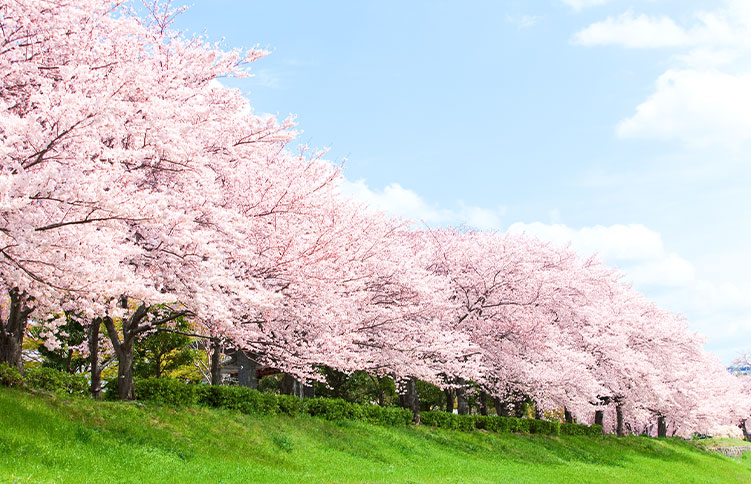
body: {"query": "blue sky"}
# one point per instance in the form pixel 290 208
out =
pixel 623 127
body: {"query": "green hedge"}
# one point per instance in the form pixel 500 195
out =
pixel 580 429
pixel 56 381
pixel 492 423
pixel 167 391
pixel 176 393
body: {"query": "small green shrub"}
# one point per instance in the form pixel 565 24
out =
pixel 580 429
pixel 545 427
pixel 10 376
pixel 166 391
pixel 333 409
pixel 289 405
pixel 56 381
pixel 389 416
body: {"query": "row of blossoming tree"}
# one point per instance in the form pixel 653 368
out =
pixel 136 189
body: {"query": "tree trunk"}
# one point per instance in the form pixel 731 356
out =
pixel 599 416
pixel 410 399
pixel 483 403
pixel 158 363
pixel 501 407
pixel 291 386
pixel 309 391
pixel 449 400
pixel 246 374
pixel 126 390
pixel 96 370
pixel 462 407
pixel 567 415
pixel 216 356
pixel 662 426
pixel 124 348
pixel 619 420
pixel 12 330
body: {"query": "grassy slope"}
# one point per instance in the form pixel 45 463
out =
pixel 51 439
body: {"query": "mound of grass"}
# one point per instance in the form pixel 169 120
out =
pixel 65 439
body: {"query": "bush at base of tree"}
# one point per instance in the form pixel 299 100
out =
pixel 10 376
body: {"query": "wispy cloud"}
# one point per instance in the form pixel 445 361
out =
pixel 581 4
pixel 402 202
pixel 523 21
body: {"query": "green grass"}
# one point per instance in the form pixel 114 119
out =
pixel 49 439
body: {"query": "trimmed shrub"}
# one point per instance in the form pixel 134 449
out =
pixel 333 409
pixel 56 381
pixel 166 391
pixel 544 427
pixel 580 429
pixel 10 376
pixel 388 416
pixel 244 399
pixel 289 405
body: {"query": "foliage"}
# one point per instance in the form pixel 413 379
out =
pixel 431 397
pixel 64 355
pixel 579 429
pixel 56 381
pixel 10 376
pixel 166 391
pixel 164 352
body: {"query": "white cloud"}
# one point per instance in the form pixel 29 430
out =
pixel 700 108
pixel 402 202
pixel 703 99
pixel 632 31
pixel 612 243
pixel 580 4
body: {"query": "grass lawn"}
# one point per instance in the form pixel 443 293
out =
pixel 50 439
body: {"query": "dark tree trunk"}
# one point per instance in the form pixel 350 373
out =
pixel 501 407
pixel 619 420
pixel 124 349
pixel 662 427
pixel 158 363
pixel 126 389
pixel 291 386
pixel 96 370
pixel 216 357
pixel 13 329
pixel 538 412
pixel 449 400
pixel 483 403
pixel 133 326
pixel 567 416
pixel 599 416
pixel 309 391
pixel 410 399
pixel 462 407
pixel 247 373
